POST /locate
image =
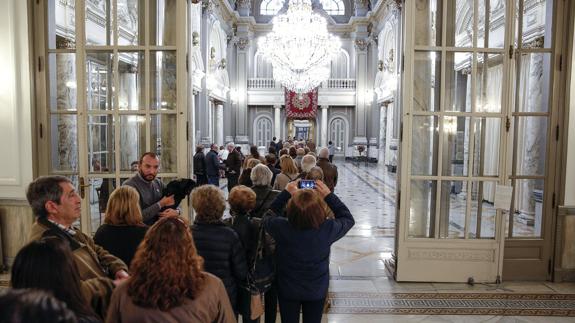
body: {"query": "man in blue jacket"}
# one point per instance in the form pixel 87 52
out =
pixel 213 166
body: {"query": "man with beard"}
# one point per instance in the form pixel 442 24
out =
pixel 150 189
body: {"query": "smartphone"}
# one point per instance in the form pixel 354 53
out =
pixel 307 184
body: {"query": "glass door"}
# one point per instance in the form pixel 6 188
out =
pixel 455 82
pixel 112 91
pixel 528 245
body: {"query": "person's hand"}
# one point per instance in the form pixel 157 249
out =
pixel 321 188
pixel 169 213
pixel 167 201
pixel 292 187
pixel 120 276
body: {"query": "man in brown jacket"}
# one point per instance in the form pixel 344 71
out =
pixel 56 206
pixel 329 169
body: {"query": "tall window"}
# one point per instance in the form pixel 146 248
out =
pixel 270 7
pixel 263 131
pixel 333 7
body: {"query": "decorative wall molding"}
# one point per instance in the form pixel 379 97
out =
pixel 452 255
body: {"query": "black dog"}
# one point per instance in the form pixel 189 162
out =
pixel 180 188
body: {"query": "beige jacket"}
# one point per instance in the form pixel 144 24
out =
pixel 210 305
pixel 95 264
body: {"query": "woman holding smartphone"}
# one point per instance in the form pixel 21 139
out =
pixel 303 240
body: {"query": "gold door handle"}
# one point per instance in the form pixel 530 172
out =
pixel 83 186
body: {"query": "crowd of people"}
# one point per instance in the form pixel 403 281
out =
pixel 146 263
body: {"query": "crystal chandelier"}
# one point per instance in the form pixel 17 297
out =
pixel 300 47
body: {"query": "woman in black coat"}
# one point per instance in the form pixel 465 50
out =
pixel 123 227
pixel 218 244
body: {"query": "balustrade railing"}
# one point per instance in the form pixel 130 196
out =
pixel 260 83
pixel 341 84
pixel 265 83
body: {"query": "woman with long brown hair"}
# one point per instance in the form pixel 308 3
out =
pixel 168 283
pixel 123 227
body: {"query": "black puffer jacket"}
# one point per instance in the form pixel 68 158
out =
pixel 223 255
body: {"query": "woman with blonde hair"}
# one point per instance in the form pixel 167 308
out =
pixel 289 172
pixel 218 244
pixel 245 176
pixel 168 283
pixel 123 227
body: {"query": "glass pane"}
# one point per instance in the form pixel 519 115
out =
pixel 64 142
pixel 62 81
pixel 486 147
pixel 482 221
pixel 428 22
pixel 456 132
pixel 100 190
pixel 422 209
pixel 131 80
pixel 489 82
pixel 163 140
pixel 531 145
pixel 132 141
pixel 129 22
pixel 101 143
pixel 163 80
pixel 163 22
pixel 491 17
pixel 425 140
pixel 528 213
pixel 98 22
pixel 452 211
pixel 61 24
pixel 534 84
pixel 426 81
pixel 458 82
pixel 460 23
pixel 99 78
pixel 537 23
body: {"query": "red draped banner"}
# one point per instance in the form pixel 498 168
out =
pixel 301 106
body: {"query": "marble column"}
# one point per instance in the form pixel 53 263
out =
pixel 277 121
pixel 361 98
pixel 382 133
pixel 219 131
pixel 532 133
pixel 203 115
pixel 242 68
pixel 423 131
pixel 324 125
pixel 128 99
pixel 66 130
